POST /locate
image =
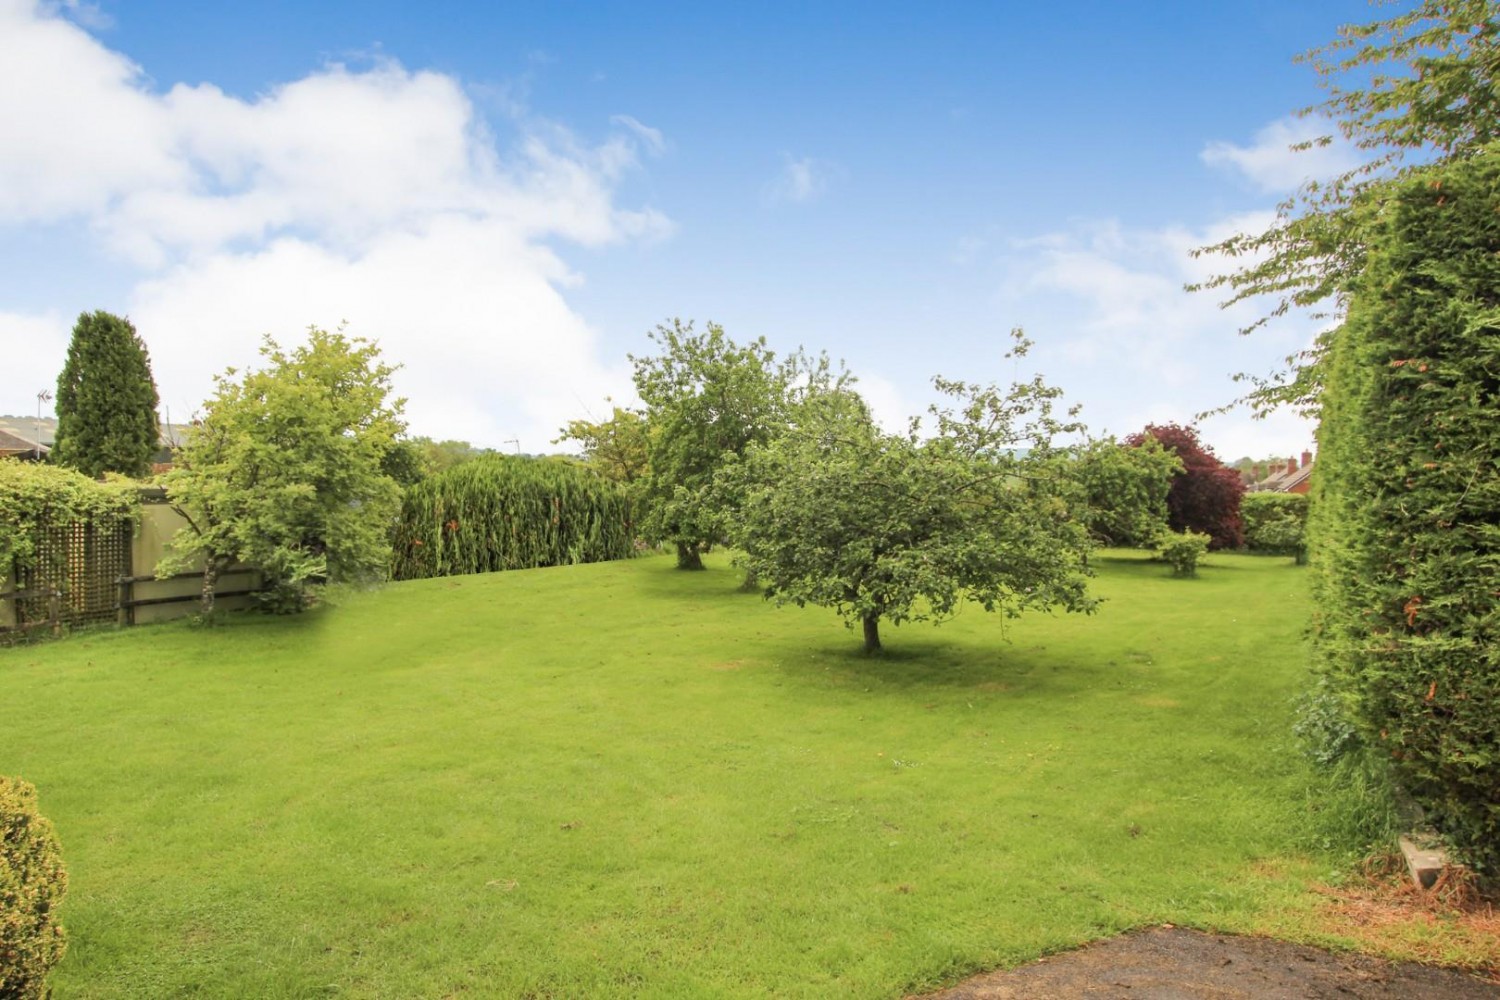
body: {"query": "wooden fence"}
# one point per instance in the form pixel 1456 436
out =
pixel 87 574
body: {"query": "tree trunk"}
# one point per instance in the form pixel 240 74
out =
pixel 751 581
pixel 872 633
pixel 688 556
pixel 210 578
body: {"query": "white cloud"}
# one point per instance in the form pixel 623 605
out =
pixel 1273 166
pixel 34 348
pixel 890 408
pixel 800 181
pixel 1107 304
pixel 655 142
pixel 379 196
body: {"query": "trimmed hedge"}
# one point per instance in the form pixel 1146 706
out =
pixel 1275 523
pixel 32 883
pixel 33 495
pixel 502 512
pixel 1406 510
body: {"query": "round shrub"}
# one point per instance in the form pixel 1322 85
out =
pixel 1181 550
pixel 32 882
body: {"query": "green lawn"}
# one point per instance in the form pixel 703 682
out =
pixel 623 780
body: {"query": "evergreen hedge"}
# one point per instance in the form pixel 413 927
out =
pixel 1275 523
pixel 502 512
pixel 1406 509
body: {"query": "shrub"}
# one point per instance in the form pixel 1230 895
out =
pixel 1205 493
pixel 32 496
pixel 1406 510
pixel 32 883
pixel 502 512
pixel 1275 523
pixel 1323 726
pixel 1181 550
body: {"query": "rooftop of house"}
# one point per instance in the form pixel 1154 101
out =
pixel 12 445
pixel 1279 475
pixel 31 430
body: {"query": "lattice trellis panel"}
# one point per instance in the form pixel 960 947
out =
pixel 84 562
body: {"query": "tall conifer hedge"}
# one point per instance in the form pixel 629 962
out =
pixel 1406 512
pixel 509 513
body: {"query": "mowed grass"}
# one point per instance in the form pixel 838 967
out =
pixel 624 780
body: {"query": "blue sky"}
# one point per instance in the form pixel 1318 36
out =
pixel 508 196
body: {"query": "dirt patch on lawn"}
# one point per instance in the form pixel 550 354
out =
pixel 1169 963
pixel 1385 911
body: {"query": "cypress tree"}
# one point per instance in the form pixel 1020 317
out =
pixel 106 400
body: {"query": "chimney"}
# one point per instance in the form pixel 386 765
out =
pixel 1306 459
pixel 1291 466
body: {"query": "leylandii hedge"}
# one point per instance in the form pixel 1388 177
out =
pixel 509 513
pixel 1406 510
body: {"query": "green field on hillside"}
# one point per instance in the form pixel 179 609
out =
pixel 623 780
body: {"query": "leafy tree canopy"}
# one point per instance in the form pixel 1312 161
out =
pixel 837 513
pixel 106 400
pixel 1205 494
pixel 283 471
pixel 617 448
pixel 706 397
pixel 1427 89
pixel 1124 489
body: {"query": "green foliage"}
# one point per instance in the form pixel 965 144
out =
pixel 1205 493
pixel 706 397
pixel 405 462
pixel 1324 727
pixel 1181 550
pixel 106 400
pixel 1406 513
pixel 283 472
pixel 34 495
pixel 1427 90
pixel 1124 490
pixel 617 448
pixel 1275 523
pixel 839 514
pixel 32 884
pixel 508 512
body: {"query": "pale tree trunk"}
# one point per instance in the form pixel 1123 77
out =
pixel 211 570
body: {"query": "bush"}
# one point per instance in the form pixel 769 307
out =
pixel 33 496
pixel 500 513
pixel 1324 727
pixel 1406 509
pixel 1205 493
pixel 1181 550
pixel 32 883
pixel 1275 523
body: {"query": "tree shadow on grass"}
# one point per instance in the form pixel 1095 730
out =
pixel 913 665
